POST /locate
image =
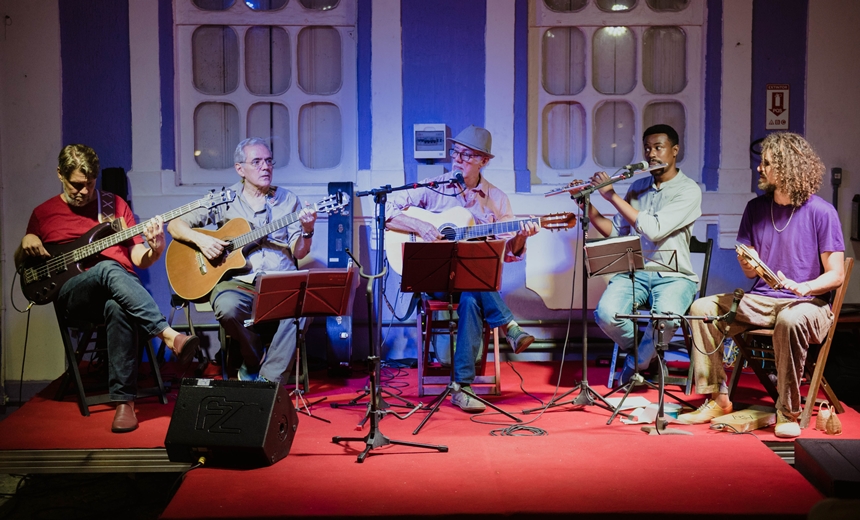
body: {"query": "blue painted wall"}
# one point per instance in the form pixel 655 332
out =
pixel 778 56
pixel 94 53
pixel 165 66
pixel 713 98
pixel 443 67
pixel 521 96
pixel 364 94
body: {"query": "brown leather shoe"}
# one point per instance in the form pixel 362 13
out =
pixel 124 420
pixel 184 347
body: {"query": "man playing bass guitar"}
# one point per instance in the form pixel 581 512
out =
pixel 109 291
pixel 470 152
pixel 259 203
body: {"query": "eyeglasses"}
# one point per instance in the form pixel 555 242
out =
pixel 466 156
pixel 258 163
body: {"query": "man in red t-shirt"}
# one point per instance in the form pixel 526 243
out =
pixel 109 291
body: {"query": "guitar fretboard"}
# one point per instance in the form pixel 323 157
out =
pixel 60 263
pixel 258 233
pixel 329 204
pixel 485 230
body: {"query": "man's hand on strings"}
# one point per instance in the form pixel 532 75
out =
pixel 32 246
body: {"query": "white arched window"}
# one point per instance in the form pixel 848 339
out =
pixel 608 70
pixel 283 70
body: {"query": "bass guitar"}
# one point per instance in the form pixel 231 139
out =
pixel 457 223
pixel 42 279
pixel 192 276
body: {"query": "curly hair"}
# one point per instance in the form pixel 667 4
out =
pixel 798 169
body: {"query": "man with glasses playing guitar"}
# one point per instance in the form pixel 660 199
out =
pixel 287 231
pixel 486 203
pixel 108 290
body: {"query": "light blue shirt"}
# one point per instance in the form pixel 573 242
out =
pixel 665 222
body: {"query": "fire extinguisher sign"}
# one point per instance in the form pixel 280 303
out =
pixel 777 107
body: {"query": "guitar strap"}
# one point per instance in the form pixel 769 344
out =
pixel 107 206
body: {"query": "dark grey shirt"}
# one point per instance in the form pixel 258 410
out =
pixel 274 252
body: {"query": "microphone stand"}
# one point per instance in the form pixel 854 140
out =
pixel 375 438
pixel 380 197
pixel 661 422
pixel 587 394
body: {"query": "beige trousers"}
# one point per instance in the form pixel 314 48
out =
pixel 796 324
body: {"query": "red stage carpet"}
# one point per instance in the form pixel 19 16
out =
pixel 581 467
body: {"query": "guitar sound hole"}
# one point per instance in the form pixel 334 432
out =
pixel 448 233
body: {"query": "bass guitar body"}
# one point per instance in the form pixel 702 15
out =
pixel 52 274
pixel 192 276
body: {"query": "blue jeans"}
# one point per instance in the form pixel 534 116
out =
pixel 670 294
pixel 233 302
pixel 474 309
pixel 109 294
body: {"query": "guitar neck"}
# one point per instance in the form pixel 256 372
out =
pixel 485 230
pixel 258 233
pixel 125 234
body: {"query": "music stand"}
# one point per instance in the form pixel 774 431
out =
pixel 661 345
pixel 602 256
pixel 303 294
pixel 452 267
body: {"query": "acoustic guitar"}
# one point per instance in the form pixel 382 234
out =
pixel 42 279
pixel 192 276
pixel 457 223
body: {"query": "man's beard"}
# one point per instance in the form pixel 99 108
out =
pixel 765 186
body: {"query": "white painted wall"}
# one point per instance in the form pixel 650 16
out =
pixel 30 139
pixel 832 110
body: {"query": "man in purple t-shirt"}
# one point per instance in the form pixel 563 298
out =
pixel 798 235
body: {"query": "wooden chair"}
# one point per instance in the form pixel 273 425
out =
pixel 77 337
pixel 432 377
pixel 676 377
pixel 756 348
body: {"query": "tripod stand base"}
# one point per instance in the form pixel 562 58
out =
pixel 455 387
pixel 659 428
pixel 587 397
pixel 375 439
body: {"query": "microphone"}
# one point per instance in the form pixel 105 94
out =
pixel 635 167
pixel 730 316
pixel 460 180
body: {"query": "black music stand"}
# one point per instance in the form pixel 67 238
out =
pixel 661 345
pixel 602 256
pixel 302 294
pixel 452 267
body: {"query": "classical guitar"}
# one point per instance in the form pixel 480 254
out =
pixel 765 272
pixel 457 223
pixel 192 276
pixel 42 279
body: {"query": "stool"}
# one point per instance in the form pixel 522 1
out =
pixel 435 383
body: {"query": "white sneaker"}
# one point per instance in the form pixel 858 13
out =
pixel 786 427
pixel 466 400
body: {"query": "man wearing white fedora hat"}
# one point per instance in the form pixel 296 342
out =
pixel 470 153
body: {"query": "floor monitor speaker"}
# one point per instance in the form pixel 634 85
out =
pixel 231 423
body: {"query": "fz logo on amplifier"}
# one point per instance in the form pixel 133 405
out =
pixel 214 412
